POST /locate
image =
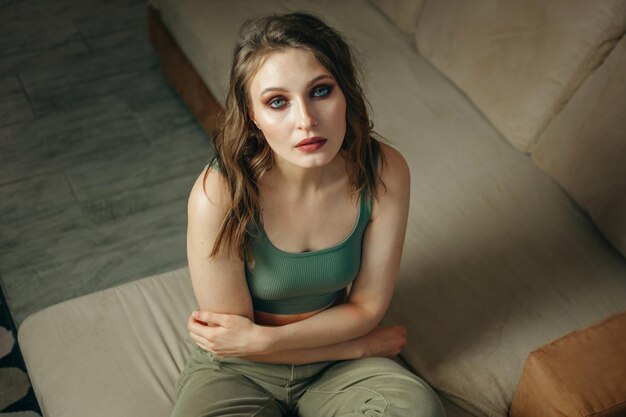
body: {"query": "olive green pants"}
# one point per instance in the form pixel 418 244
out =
pixel 214 386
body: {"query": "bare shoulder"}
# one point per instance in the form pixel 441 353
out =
pixel 395 170
pixel 208 199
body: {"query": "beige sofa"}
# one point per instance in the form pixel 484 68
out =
pixel 511 116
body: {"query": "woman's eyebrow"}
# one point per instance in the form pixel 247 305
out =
pixel 313 81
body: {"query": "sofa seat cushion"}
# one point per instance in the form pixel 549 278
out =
pixel 116 352
pixel 580 374
pixel 497 260
pixel 113 353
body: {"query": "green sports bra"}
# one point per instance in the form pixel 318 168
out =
pixel 291 283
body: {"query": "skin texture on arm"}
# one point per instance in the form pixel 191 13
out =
pixel 218 282
pixel 369 298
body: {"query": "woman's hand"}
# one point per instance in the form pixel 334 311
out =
pixel 385 341
pixel 225 334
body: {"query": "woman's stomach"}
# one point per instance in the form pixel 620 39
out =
pixel 273 319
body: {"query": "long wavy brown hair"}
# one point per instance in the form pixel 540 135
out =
pixel 241 152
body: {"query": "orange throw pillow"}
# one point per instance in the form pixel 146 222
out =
pixel 580 374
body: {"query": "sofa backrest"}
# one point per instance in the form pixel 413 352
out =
pixel 404 13
pixel 584 147
pixel 519 61
pixel 549 75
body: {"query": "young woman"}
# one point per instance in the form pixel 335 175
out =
pixel 294 239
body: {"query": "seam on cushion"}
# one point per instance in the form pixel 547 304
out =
pixel 264 407
pixel 595 413
pixel 575 82
pixel 354 388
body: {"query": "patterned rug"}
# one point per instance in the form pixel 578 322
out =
pixel 17 398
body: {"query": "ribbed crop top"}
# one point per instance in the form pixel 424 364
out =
pixel 291 283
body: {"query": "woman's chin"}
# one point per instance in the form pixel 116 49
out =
pixel 308 160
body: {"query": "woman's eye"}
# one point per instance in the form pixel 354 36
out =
pixel 273 104
pixel 323 91
pixel 279 103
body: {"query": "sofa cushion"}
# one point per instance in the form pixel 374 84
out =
pixel 113 353
pixel 498 260
pixel 519 61
pixel 584 148
pixel 117 352
pixel 580 374
pixel 404 13
pixel 207 31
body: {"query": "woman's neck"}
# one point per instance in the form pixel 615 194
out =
pixel 304 181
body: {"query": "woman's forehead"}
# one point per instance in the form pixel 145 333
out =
pixel 285 69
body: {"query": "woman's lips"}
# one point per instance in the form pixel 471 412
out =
pixel 311 144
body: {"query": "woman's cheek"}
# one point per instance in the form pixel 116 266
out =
pixel 276 118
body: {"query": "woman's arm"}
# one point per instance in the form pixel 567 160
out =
pixel 231 335
pixel 218 282
pixel 382 341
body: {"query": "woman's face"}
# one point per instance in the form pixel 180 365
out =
pixel 293 98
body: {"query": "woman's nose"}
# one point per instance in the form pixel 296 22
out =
pixel 306 117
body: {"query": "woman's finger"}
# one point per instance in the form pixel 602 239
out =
pixel 201 342
pixel 210 317
pixel 204 347
pixel 201 329
pixel 197 338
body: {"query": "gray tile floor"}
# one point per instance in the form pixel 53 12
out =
pixel 97 152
